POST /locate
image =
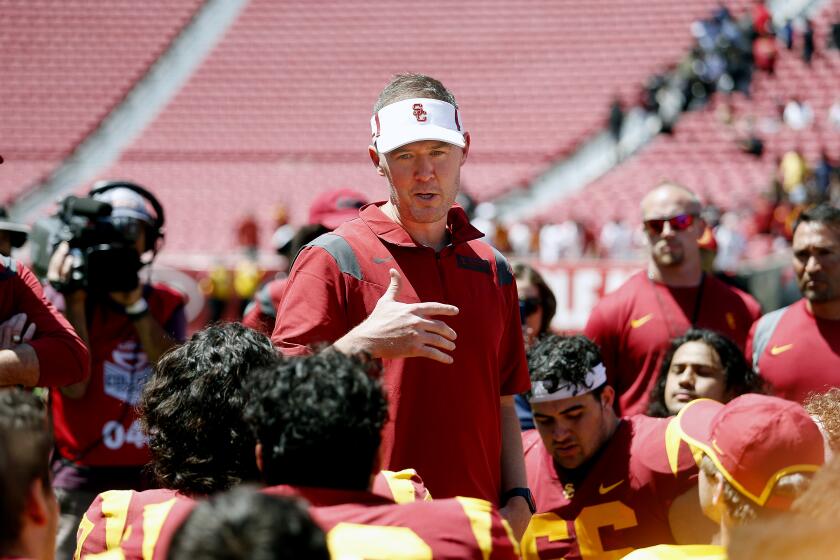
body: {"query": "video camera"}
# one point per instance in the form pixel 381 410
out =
pixel 103 246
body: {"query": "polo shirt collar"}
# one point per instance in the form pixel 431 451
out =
pixel 459 227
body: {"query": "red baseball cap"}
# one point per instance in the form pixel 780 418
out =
pixel 333 208
pixel 754 440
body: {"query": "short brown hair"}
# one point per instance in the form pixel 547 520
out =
pixel 409 85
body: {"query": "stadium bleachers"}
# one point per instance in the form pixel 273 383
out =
pixel 279 111
pixel 702 153
pixel 66 64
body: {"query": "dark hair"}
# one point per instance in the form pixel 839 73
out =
pixel 548 302
pixel 824 214
pixel 739 375
pixel 244 524
pixel 563 361
pixel 25 446
pixel 192 410
pixel 408 85
pixel 318 419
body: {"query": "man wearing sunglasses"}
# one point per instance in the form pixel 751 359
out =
pixel 634 324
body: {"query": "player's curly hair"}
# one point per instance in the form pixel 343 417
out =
pixel 246 524
pixel 25 446
pixel 826 407
pixel 740 377
pixel 563 361
pixel 318 419
pixel 192 410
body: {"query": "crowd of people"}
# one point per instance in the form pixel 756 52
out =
pixel 400 394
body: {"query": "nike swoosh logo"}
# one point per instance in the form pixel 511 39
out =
pixel 776 350
pixel 603 490
pixel 636 323
pixel 380 260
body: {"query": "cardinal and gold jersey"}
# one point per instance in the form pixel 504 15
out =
pixel 622 501
pixel 363 525
pixel 141 524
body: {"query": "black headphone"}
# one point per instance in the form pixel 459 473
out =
pixel 155 232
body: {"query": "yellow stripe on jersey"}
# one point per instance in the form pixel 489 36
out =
pixel 481 521
pixel 376 542
pixel 402 486
pixel 115 554
pixel 154 516
pixel 672 445
pixel 85 528
pixel 115 510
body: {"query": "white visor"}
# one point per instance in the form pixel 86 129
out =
pixel 412 120
pixel 594 379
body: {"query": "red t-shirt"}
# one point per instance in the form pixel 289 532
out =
pixel 101 428
pixel 63 358
pixel 802 355
pixel 363 525
pixel 621 504
pixel 262 313
pixel 635 324
pixel 440 415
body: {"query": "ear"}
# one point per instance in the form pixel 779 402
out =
pixel 717 493
pixel 700 226
pixel 466 149
pixel 608 397
pixel 376 159
pixel 37 506
pixel 258 456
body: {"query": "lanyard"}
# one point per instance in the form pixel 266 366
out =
pixel 695 313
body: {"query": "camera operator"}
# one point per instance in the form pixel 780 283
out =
pixel 98 439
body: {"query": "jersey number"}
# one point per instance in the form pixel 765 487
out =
pixel 591 518
pixel 114 435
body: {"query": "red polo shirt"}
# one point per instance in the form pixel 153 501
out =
pixel 444 419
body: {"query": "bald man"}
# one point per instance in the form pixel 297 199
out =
pixel 634 324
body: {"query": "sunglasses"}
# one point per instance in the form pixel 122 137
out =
pixel 527 307
pixel 680 222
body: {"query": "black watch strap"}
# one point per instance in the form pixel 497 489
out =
pixel 525 493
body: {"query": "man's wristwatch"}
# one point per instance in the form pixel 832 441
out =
pixel 525 493
pixel 138 309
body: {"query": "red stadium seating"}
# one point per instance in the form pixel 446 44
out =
pixel 702 153
pixel 65 65
pixel 280 109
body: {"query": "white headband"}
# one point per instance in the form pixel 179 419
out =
pixel 594 379
pixel 412 120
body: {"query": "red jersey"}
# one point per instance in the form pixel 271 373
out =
pixel 63 358
pixel 622 502
pixel 802 355
pixel 440 415
pixel 262 313
pixel 141 524
pixel 101 428
pixel 635 324
pixel 363 525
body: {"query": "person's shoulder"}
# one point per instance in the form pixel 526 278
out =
pixel 627 291
pixel 167 292
pixel 721 288
pixel 530 441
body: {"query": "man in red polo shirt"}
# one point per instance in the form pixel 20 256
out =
pixel 635 324
pixel 797 348
pixel 409 283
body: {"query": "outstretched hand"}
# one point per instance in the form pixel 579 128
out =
pixel 402 330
